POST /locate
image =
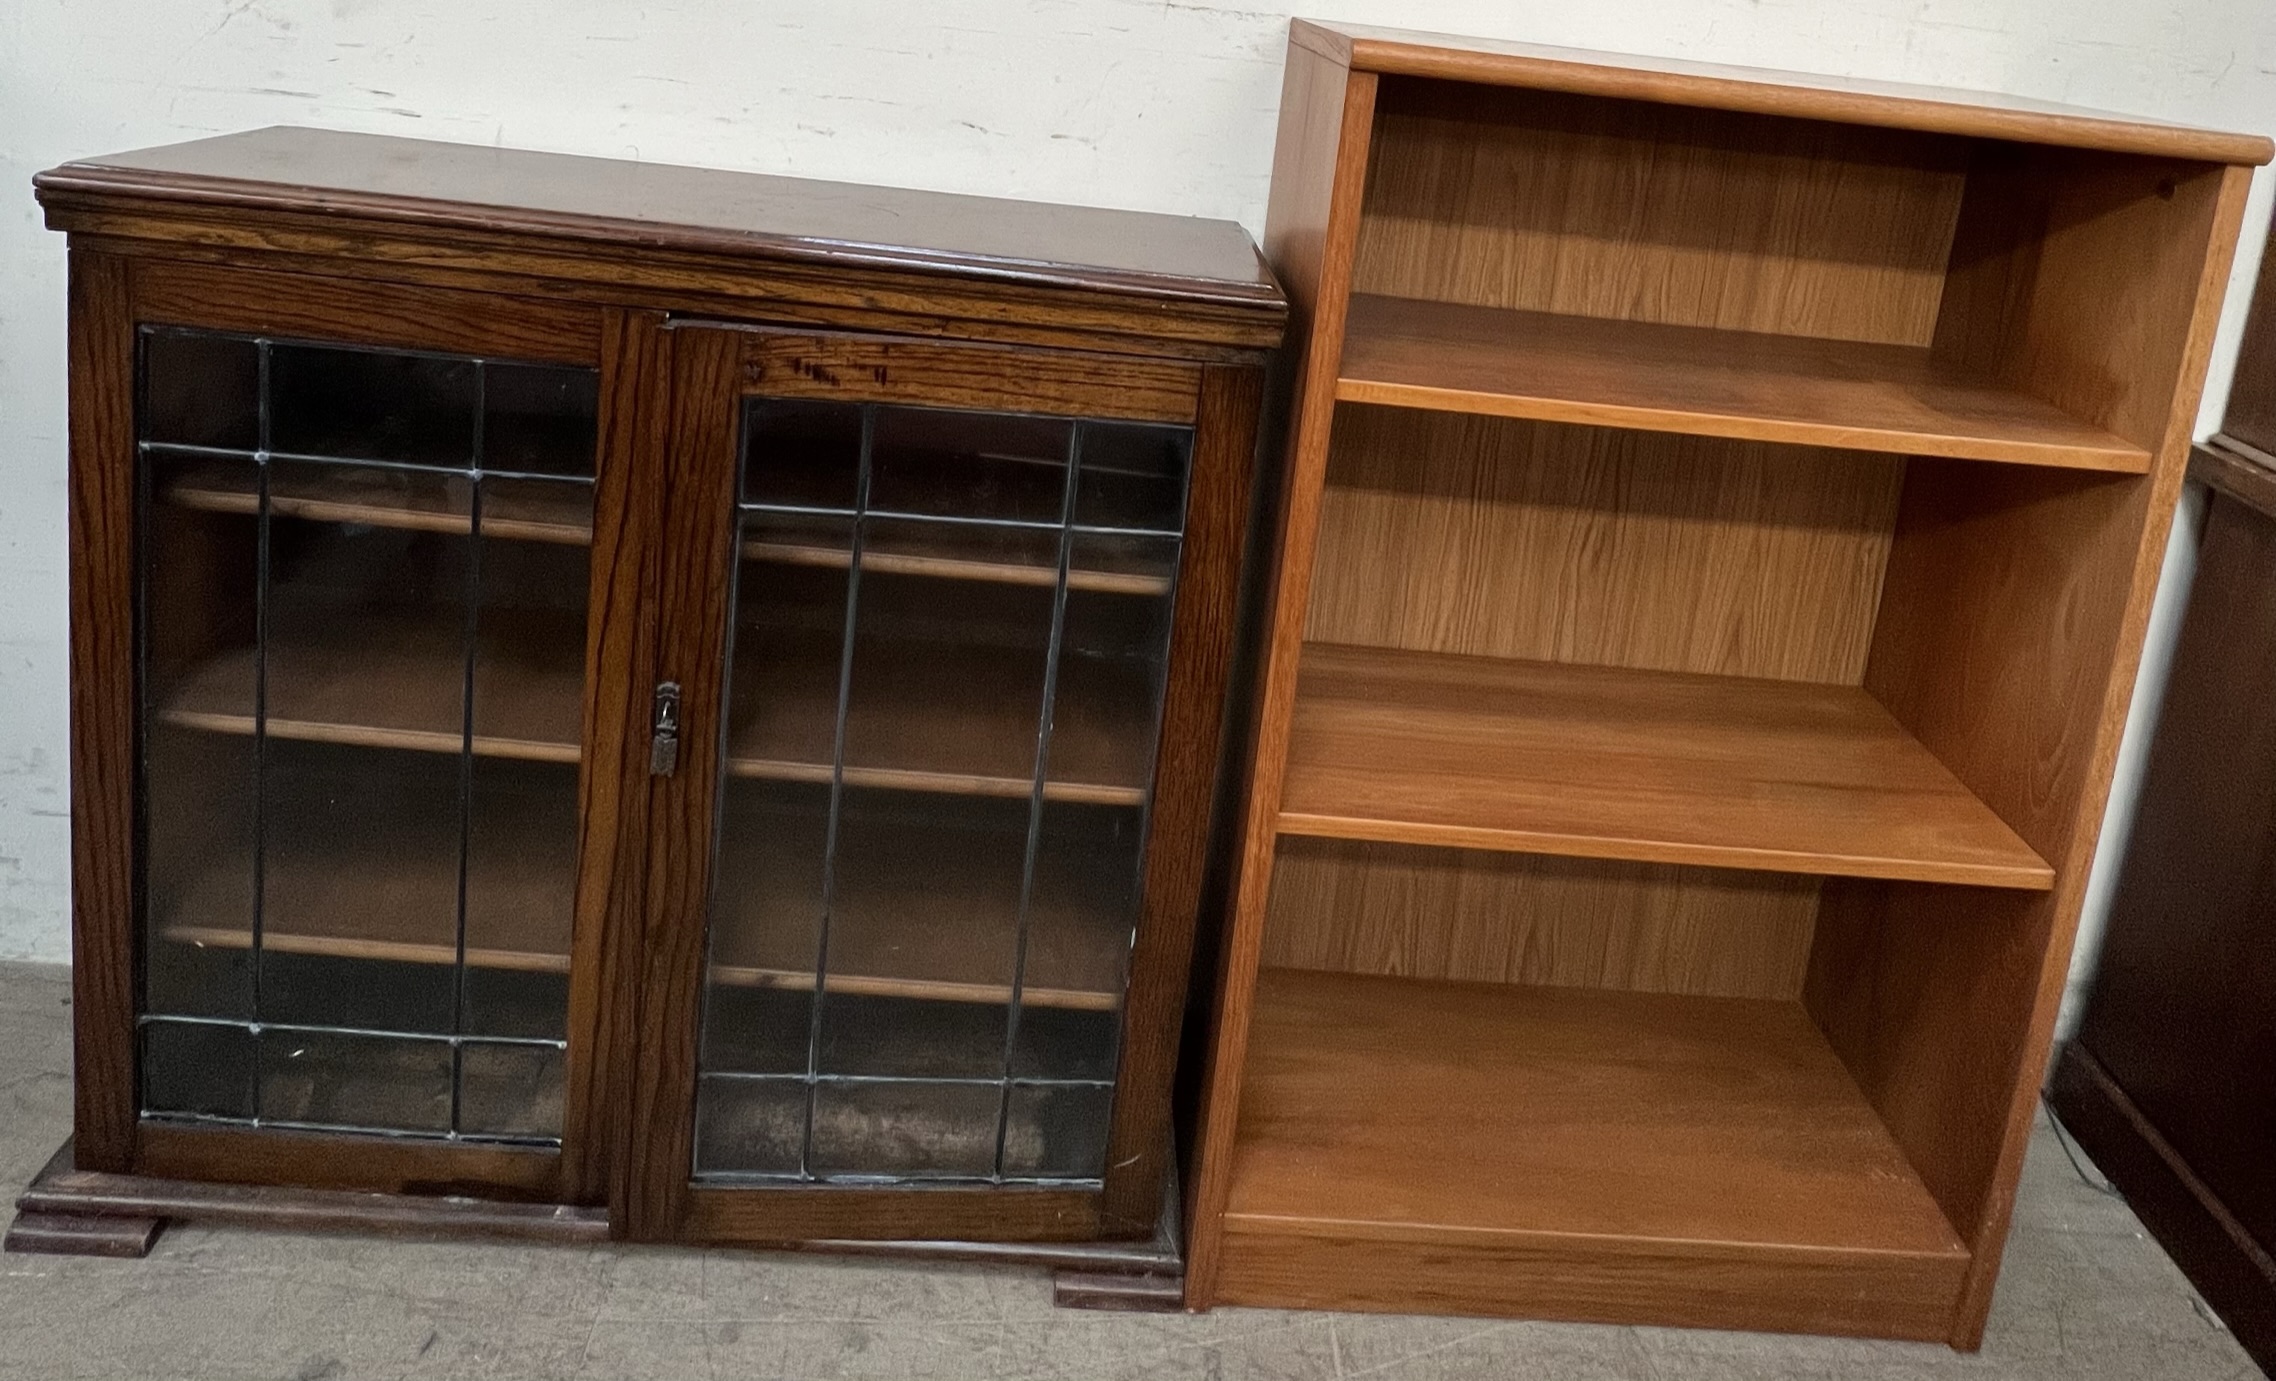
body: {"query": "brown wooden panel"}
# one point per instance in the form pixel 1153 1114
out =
pixel 696 536
pixel 1398 910
pixel 103 776
pixel 612 846
pixel 1493 361
pixel 713 285
pixel 872 369
pixel 1441 533
pixel 1548 1276
pixel 758 1216
pixel 2183 1012
pixel 398 316
pixel 484 189
pixel 61 1189
pixel 1713 86
pixel 1554 203
pixel 2010 634
pixel 324 1160
pixel 1184 792
pixel 2074 277
pixel 1312 225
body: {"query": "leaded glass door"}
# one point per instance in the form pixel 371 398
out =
pixel 363 574
pixel 921 665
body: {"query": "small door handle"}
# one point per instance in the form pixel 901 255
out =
pixel 664 731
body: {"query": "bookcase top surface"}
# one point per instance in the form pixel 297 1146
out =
pixel 475 188
pixel 1761 91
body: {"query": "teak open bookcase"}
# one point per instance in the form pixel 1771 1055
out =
pixel 1720 514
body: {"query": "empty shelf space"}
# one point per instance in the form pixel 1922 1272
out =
pixel 1474 1116
pixel 909 922
pixel 940 933
pixel 1405 352
pixel 400 683
pixel 945 561
pixel 558 511
pixel 959 718
pixel 1656 767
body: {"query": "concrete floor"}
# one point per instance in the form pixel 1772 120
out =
pixel 2085 1295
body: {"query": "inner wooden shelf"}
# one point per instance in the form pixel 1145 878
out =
pixel 558 511
pixel 939 932
pixel 1655 767
pixel 1406 352
pixel 380 682
pixel 954 720
pixel 1455 1116
pixel 561 512
pixel 940 716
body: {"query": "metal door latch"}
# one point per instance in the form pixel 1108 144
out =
pixel 664 731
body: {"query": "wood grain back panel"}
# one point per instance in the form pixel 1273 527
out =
pixel 1402 911
pixel 1445 533
pixel 1640 212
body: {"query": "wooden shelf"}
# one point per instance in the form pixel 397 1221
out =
pixel 938 933
pixel 957 718
pixel 955 722
pixel 1656 767
pixel 557 511
pixel 1405 352
pixel 561 512
pixel 945 563
pixel 399 683
pixel 1389 1115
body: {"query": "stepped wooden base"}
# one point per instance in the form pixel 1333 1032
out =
pixel 82 1234
pixel 68 1211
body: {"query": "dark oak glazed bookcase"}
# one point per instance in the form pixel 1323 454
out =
pixel 650 700
pixel 1719 516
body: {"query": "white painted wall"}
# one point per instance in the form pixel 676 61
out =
pixel 1164 105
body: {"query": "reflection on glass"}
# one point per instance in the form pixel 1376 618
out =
pixel 362 665
pixel 944 694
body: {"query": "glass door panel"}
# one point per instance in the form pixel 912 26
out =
pixel 363 586
pixel 945 675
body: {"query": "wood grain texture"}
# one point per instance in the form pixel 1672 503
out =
pixel 612 788
pixel 60 1189
pixel 1664 1134
pixel 1057 383
pixel 1311 230
pixel 1406 352
pixel 1590 1280
pixel 1399 911
pixel 394 315
pixel 2074 277
pixel 1555 203
pixel 1011 1214
pixel 326 1160
pixel 1712 86
pixel 480 188
pixel 1189 754
pixel 717 285
pixel 695 544
pixel 1441 533
pixel 2024 697
pixel 1653 767
pixel 81 1234
pixel 104 862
